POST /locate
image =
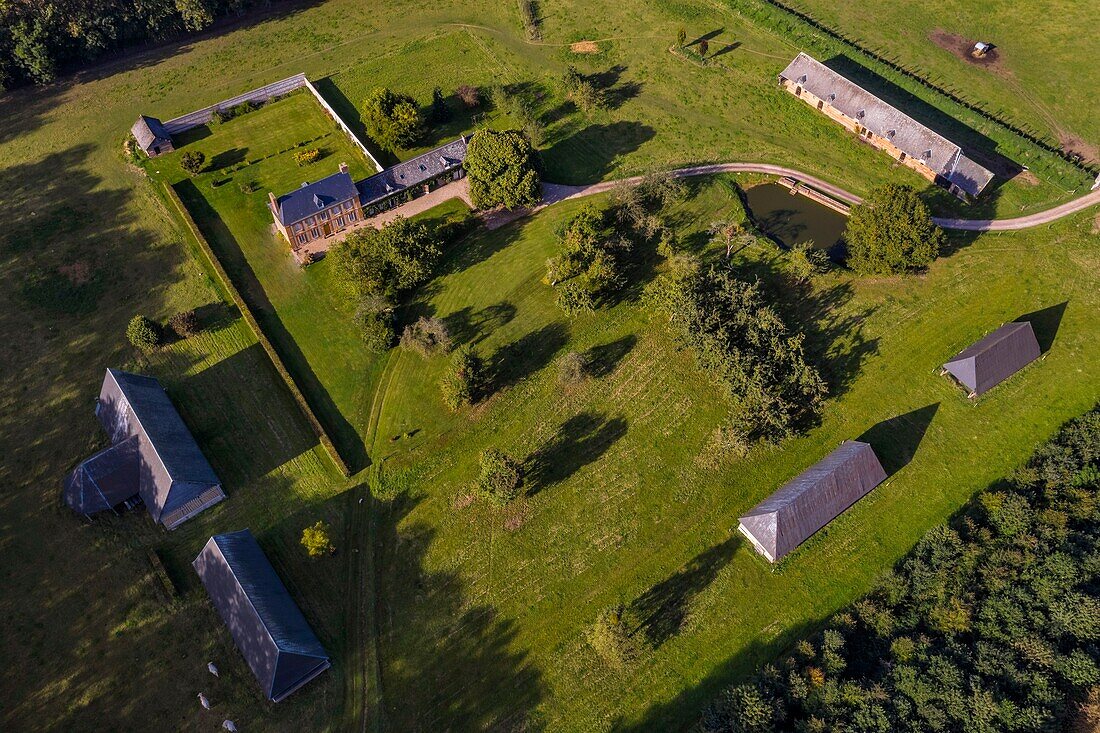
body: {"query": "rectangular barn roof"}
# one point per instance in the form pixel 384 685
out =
pixel 310 198
pixel 173 472
pixel 147 130
pixel 883 119
pixel 412 172
pixel 989 361
pixel 267 626
pixel 811 500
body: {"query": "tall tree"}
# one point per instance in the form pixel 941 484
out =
pixel 503 168
pixel 386 261
pixel 892 232
pixel 392 119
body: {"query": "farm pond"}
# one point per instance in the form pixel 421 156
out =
pixel 792 219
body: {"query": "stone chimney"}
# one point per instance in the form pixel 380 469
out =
pixel 343 167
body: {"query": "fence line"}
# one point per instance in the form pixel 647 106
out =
pixel 343 125
pixel 263 94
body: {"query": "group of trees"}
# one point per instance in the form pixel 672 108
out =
pixel 990 624
pixel 740 339
pixel 41 38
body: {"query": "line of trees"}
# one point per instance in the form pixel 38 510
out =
pixel 990 624
pixel 39 39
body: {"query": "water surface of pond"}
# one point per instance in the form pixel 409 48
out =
pixel 795 219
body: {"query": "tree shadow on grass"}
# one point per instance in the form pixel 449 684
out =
pixel 603 359
pixel 614 90
pixel 468 326
pixel 227 158
pixel 1045 324
pixel 708 37
pixel 895 441
pixel 526 355
pixel 590 153
pixel 349 443
pixel 664 607
pixel 580 440
pixel 216 316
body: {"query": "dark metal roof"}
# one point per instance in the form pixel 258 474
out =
pixel 883 119
pixel 267 626
pixel 412 172
pixel 312 197
pixel 154 455
pixel 986 363
pixel 147 130
pixel 814 498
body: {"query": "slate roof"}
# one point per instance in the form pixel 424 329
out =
pixel 916 140
pixel 267 626
pixel 412 172
pixel 153 455
pixel 986 363
pixel 312 197
pixel 147 130
pixel 814 498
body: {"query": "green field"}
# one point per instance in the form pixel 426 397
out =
pixel 441 614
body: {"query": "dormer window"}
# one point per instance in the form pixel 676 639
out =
pixel 861 114
pixel 890 133
pixel 832 97
pixel 423 168
pixel 318 202
pixel 926 155
pixel 802 79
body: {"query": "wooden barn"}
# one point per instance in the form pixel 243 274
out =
pixel 885 127
pixel 993 359
pixel 151 136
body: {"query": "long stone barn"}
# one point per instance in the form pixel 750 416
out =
pixel 322 209
pixel 885 127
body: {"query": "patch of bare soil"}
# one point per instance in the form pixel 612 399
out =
pixel 961 47
pixel 463 500
pixel 1074 144
pixel 78 273
pixel 589 47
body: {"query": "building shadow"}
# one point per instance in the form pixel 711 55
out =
pixel 580 440
pixel 526 355
pixel 1045 324
pixel 895 441
pixel 664 607
pixel 603 359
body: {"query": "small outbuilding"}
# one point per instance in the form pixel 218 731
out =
pixel 266 625
pixel 153 456
pixel 988 362
pixel 814 498
pixel 151 136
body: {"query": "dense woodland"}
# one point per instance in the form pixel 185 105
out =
pixel 992 623
pixel 39 39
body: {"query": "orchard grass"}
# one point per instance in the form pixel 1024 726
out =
pixel 481 612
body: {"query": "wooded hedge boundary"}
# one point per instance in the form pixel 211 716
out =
pixel 785 20
pixel 250 319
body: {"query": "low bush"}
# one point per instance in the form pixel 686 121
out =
pixel 611 639
pixel 184 324
pixel 500 478
pixel 193 161
pixel 427 337
pixel 143 334
pixel 305 157
pixel 375 318
pixel 574 368
pixel 464 379
pixel 316 540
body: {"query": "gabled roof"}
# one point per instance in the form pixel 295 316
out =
pixel 814 498
pixel 267 626
pixel 986 363
pixel 883 119
pixel 412 172
pixel 147 130
pixel 172 469
pixel 312 197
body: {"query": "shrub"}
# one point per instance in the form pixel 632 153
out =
pixel 316 540
pixel 306 157
pixel 681 37
pixel 892 232
pixel 470 95
pixel 184 324
pixel 375 318
pixel 248 186
pixel 528 11
pixel 500 479
pixel 611 640
pixel 192 161
pixel 581 91
pixel 805 260
pixel 573 368
pixel 392 120
pixel 143 334
pixel 428 336
pixel 503 170
pixel 464 379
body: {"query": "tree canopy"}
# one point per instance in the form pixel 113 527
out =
pixel 386 261
pixel 392 119
pixel 892 232
pixel 503 170
pixel 990 624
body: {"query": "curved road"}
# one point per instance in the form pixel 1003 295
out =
pixel 554 192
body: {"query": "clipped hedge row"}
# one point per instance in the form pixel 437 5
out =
pixel 803 28
pixel 246 312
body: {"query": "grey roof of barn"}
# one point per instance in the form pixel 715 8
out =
pixel 991 360
pixel 153 454
pixel 814 498
pixel 267 626
pixel 147 130
pixel 413 172
pixel 883 119
pixel 310 198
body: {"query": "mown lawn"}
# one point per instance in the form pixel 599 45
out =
pixel 87 242
pixel 484 611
